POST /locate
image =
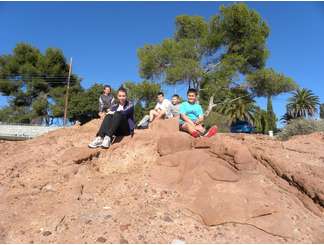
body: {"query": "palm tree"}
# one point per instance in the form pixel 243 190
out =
pixel 239 106
pixel 303 103
pixel 286 118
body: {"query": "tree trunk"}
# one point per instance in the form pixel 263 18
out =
pixel 211 106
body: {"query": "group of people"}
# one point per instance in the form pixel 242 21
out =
pixel 164 109
pixel 118 116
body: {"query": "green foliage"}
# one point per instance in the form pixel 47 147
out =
pixel 83 106
pixel 34 83
pixel 139 112
pixel 8 87
pixel 143 92
pixel 144 96
pixel 190 27
pixel 40 105
pixel 303 103
pixel 218 82
pixel 238 106
pixel 322 111
pixel 245 33
pixel 222 122
pixel 286 118
pixel 267 82
pixel 13 115
pixel 261 121
pixel 6 114
pixel 227 44
pixel 301 126
pixel 271 117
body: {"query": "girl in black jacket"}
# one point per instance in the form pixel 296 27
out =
pixel 118 122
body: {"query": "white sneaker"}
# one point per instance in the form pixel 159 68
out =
pixel 106 142
pixel 96 142
pixel 143 121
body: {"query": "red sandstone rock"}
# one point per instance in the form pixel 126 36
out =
pixel 196 183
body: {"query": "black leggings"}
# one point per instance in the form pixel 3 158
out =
pixel 114 124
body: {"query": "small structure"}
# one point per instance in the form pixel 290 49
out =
pixel 23 132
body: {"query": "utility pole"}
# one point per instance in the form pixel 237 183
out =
pixel 67 93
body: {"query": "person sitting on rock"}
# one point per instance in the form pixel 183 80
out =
pixel 175 105
pixel 192 117
pixel 119 121
pixel 105 101
pixel 162 108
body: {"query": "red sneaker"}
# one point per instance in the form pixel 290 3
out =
pixel 195 134
pixel 211 132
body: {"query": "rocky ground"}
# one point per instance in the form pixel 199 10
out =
pixel 160 186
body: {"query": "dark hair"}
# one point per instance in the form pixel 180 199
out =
pixel 122 89
pixel 160 93
pixel 176 95
pixel 192 90
pixel 107 86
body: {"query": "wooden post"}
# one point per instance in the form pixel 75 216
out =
pixel 67 93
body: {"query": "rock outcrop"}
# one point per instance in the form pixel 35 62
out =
pixel 160 186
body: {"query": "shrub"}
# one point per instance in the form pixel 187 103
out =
pixel 301 127
pixel 221 121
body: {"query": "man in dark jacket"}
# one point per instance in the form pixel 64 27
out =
pixel 118 122
pixel 105 101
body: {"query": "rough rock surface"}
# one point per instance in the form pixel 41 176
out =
pixel 161 186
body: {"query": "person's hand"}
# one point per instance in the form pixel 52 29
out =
pixel 102 115
pixel 192 123
pixel 198 121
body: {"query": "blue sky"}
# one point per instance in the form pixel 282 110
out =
pixel 102 37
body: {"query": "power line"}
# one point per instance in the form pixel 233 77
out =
pixel 32 77
pixel 34 74
pixel 28 78
pixel 45 82
pixel 11 79
pixel 49 80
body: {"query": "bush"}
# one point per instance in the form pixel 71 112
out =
pixel 322 111
pixel 301 127
pixel 221 121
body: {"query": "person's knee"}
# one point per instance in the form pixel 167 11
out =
pixel 201 129
pixel 162 113
pixel 184 127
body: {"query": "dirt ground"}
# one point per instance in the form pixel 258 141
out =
pixel 160 186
